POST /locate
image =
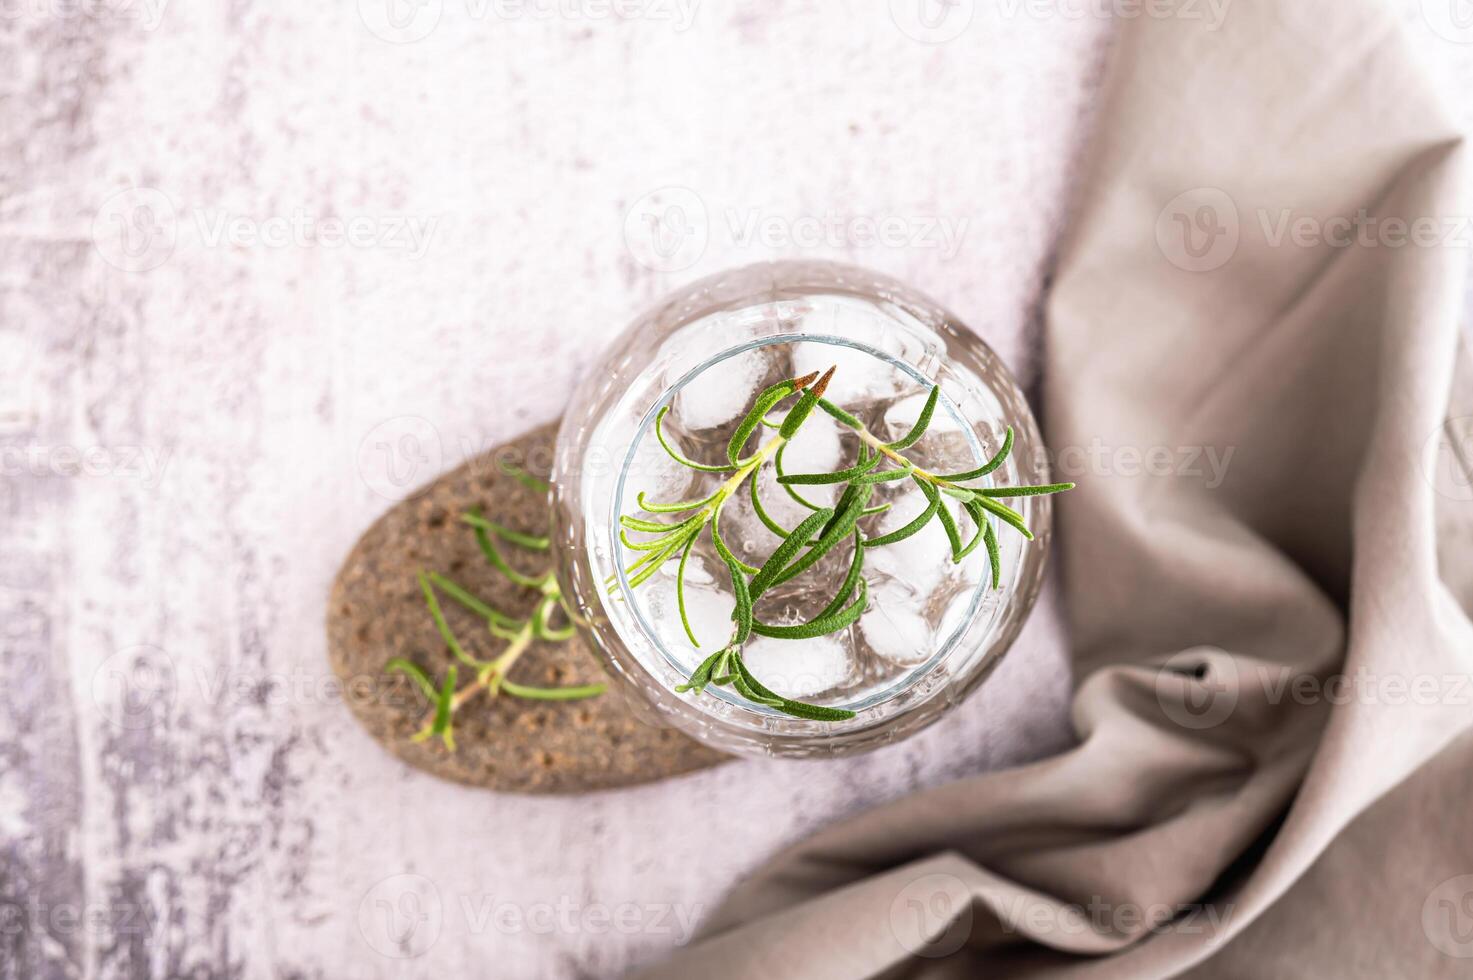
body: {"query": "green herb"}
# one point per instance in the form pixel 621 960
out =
pixel 800 548
pixel 491 675
pixel 533 483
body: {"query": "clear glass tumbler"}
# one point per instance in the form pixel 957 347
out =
pixel 931 634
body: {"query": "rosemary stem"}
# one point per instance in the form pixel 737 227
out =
pixel 490 677
pixel 748 467
pixel 875 442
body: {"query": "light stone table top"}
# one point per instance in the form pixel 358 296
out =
pixel 265 266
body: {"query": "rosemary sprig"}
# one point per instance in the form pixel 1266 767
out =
pixel 491 675
pixel 977 502
pixel 802 547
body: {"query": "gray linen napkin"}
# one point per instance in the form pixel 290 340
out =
pixel 1270 779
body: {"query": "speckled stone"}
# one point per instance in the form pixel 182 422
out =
pixel 377 612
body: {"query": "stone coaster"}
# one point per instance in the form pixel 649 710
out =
pixel 376 612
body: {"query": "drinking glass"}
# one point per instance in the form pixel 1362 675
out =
pixel 933 631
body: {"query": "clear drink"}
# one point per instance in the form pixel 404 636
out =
pixel 918 597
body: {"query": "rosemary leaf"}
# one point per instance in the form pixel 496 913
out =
pixel 994 556
pixel 798 709
pixel 532 542
pixel 680 591
pixel 788 550
pixel 948 524
pixel 933 503
pixel 761 511
pixel 636 524
pixel 444 706
pixel 814 712
pixel 842 476
pixel 887 476
pixel 766 400
pixel 654 544
pixel 442 626
pixel 675 508
pixel 668 531
pixel 487 612
pixel 742 614
pixel 740 667
pixel 721 674
pixel 533 483
pixel 542 631
pixel 1024 491
pixel 800 412
pixel 506 632
pixel 750 693
pixel 836 530
pixel 675 454
pixel 655 560
pixel 552 693
pixel 642 563
pixel 849 507
pixel 1008 515
pixel 851 581
pixel 820 625
pixel 701 676
pixel 922 423
pixel 493 555
pixel 414 672
pixel 992 464
pixel 840 414
pixel 978 518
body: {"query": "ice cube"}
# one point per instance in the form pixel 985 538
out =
pixel 800 668
pixel 860 378
pixel 708 606
pixel 815 448
pixel 653 470
pixel 901 415
pixel 724 392
pixel 923 560
pixel 894 626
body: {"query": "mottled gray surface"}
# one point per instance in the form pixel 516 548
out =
pixel 207 395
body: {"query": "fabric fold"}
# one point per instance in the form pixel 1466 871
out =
pixel 1268 658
